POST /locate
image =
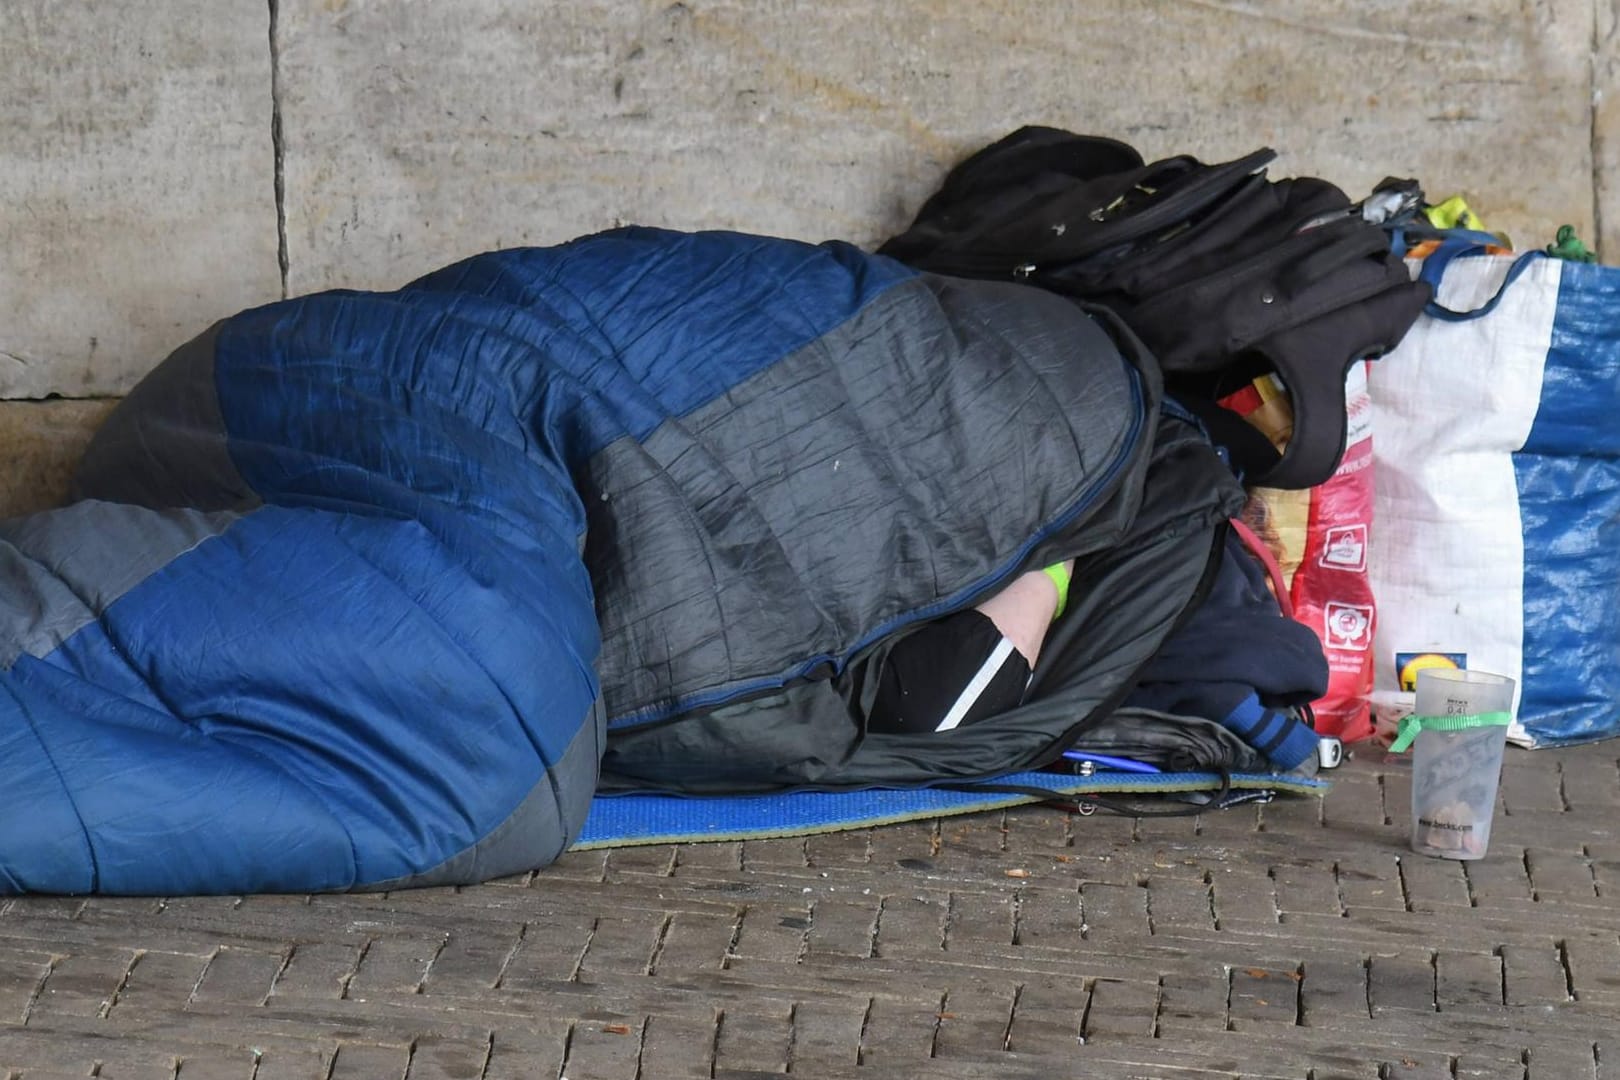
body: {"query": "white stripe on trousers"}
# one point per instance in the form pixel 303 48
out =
pixel 977 685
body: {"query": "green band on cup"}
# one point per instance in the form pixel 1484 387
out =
pixel 1411 725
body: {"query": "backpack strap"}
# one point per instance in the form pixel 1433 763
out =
pixel 1313 360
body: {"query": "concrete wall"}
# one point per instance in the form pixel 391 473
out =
pixel 166 163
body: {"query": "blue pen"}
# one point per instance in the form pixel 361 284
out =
pixel 1104 761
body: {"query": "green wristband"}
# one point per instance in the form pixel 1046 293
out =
pixel 1060 577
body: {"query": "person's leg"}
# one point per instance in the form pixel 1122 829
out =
pixel 1024 610
pixel 970 665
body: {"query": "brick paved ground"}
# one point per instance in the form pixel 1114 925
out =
pixel 1293 940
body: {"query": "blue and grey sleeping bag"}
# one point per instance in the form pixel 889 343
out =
pixel 373 589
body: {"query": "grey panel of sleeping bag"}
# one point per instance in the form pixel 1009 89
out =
pixel 155 482
pixel 61 569
pixel 898 459
pixel 538 831
pixel 164 445
pixel 1124 601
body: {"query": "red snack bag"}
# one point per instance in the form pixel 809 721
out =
pixel 1319 538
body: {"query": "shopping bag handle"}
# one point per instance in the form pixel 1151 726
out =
pixel 1461 243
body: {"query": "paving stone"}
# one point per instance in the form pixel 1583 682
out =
pixel 240 1066
pixel 1468 981
pixel 786 853
pixel 82 985
pixel 574 866
pixel 1608 1061
pixel 695 942
pixel 773 932
pixel 826 1034
pixel 1049 918
pixel 899 1033
pixel 604 1047
pixel 1333 991
pixel 1401 981
pixel 319 969
pixel 1493 880
pixel 1434 884
pixel 1589 781
pixel 520 1053
pixel 1179 904
pixel 1306 889
pixel 1560 875
pixel 22 974
pixel 977 920
pixel 434 1057
pixel 1416 1067
pixel 905 842
pixel 1551 829
pixel 842 928
pixel 707 858
pixel 1047 1018
pixel 1471 1066
pixel 973 1023
pixel 1358 799
pixel 745 966
pixel 754 1041
pixel 1534 974
pixel 239 977
pixel 912 926
pixel 1396 785
pixel 1260 995
pixel 677 1045
pixel 1113 912
pixel 838 849
pixel 1367 880
pixel 1593 962
pixel 153 1068
pixel 363 1061
pixel 394 965
pixel 1529 789
pixel 161 983
pixel 1243 893
pixel 623 944
pixel 1192 1002
pixel 1566 1061
pixel 657 860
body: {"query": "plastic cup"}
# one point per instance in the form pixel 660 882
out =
pixel 1457 760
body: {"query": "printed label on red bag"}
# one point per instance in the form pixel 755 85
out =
pixel 1345 548
pixel 1331 591
pixel 1348 626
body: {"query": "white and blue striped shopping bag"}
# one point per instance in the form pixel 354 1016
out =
pixel 1496 537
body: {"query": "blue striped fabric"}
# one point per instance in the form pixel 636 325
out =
pixel 1569 501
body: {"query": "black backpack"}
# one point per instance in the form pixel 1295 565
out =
pixel 1223 273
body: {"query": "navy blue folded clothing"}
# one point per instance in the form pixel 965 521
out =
pixel 1238 660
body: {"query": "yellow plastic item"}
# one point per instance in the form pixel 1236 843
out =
pixel 1454 213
